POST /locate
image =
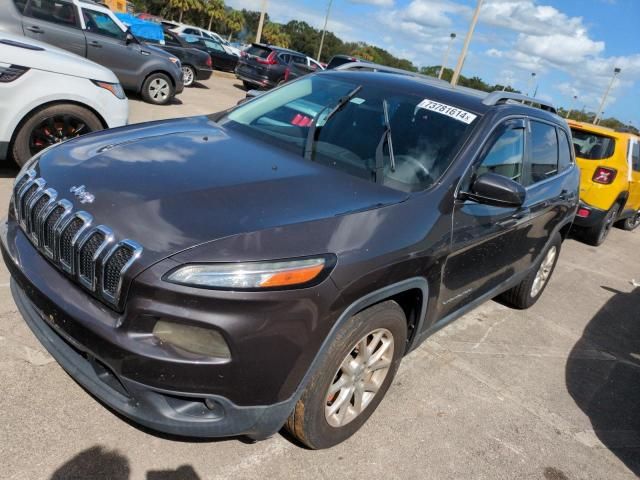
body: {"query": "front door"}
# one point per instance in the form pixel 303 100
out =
pixel 56 22
pixel 106 45
pixel 487 241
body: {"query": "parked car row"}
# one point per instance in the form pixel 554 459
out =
pixel 93 31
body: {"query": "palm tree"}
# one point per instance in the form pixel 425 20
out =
pixel 215 10
pixel 234 22
pixel 183 5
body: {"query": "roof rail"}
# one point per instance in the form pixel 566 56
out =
pixel 374 67
pixel 495 98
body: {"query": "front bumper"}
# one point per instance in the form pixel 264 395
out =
pixel 251 395
pixel 595 217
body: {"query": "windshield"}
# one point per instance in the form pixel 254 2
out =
pixel 591 146
pixel 425 141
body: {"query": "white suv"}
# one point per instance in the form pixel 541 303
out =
pixel 50 95
pixel 182 29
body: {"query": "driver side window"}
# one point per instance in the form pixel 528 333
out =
pixel 102 24
pixel 506 155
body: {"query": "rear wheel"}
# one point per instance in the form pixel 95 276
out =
pixel 157 89
pixel 188 75
pixel 353 377
pixel 51 125
pixel 529 290
pixel 597 234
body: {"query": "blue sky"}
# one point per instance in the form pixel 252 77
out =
pixel 571 45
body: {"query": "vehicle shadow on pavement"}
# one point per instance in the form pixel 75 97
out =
pixel 99 463
pixel 603 375
pixel 8 169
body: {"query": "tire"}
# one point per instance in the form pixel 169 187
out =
pixel 310 420
pixel 527 292
pixel 597 234
pixel 188 75
pixel 631 223
pixel 158 89
pixel 62 121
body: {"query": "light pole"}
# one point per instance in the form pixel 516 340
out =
pixel 531 80
pixel 465 47
pixel 446 55
pixel 573 101
pixel 261 22
pixel 600 112
pixel 324 30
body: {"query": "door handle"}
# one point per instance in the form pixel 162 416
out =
pixel 35 29
pixel 95 44
pixel 521 214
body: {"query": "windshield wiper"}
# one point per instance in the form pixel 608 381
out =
pixel 386 137
pixel 311 134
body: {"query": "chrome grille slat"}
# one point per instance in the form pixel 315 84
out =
pixel 88 254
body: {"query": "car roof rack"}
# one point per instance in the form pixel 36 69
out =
pixel 499 97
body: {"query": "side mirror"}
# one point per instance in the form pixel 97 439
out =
pixel 129 38
pixel 497 190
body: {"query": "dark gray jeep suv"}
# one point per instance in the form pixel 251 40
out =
pixel 272 264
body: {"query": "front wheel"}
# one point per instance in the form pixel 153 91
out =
pixel 352 378
pixel 529 290
pixel 50 125
pixel 631 223
pixel 158 89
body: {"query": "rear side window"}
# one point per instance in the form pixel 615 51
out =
pixel 544 151
pixel 258 51
pixel 101 23
pixel 20 4
pixel 635 156
pixel 55 11
pixel 591 146
pixel 564 160
pixel 506 155
pixel 191 31
pixel 213 46
pixel 299 60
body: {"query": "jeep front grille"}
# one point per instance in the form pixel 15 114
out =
pixel 89 255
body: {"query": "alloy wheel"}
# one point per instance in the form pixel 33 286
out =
pixel 159 89
pixel 56 129
pixel 359 377
pixel 187 76
pixel 544 272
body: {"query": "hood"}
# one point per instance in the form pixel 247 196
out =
pixel 175 184
pixel 17 51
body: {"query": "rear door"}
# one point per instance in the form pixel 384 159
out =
pixel 221 59
pixel 634 175
pixel 56 22
pixel 106 45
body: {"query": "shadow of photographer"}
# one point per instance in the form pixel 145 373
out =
pixel 603 375
pixel 98 463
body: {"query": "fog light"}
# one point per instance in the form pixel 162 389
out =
pixel 198 340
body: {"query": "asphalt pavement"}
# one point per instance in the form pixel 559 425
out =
pixel 550 393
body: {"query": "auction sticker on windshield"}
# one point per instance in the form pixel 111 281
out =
pixel 448 110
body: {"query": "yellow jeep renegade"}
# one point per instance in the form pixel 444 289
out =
pixel 610 180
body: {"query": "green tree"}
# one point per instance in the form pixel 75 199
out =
pixel 214 9
pixel 234 22
pixel 274 35
pixel 185 5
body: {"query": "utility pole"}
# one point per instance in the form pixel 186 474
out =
pixel 261 22
pixel 446 55
pixel 600 112
pixel 575 97
pixel 324 30
pixel 531 81
pixel 465 47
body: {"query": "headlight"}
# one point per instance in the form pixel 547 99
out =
pixel 198 340
pixel 250 275
pixel 114 88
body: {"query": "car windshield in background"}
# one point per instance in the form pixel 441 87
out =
pixel 591 146
pixel 426 135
